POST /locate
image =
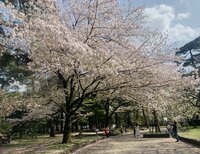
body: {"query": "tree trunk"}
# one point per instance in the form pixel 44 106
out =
pixel 67 130
pixel 61 122
pixel 52 128
pixel 44 128
pixel 145 118
pixel 57 125
pixel 117 120
pixel 157 128
pixel 91 123
pixel 107 120
pixel 136 115
pixel 76 126
pixel 20 134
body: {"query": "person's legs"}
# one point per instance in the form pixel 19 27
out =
pixel 176 136
pixel 107 135
pixel 134 132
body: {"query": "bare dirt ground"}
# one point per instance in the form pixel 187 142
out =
pixel 122 144
pixel 127 144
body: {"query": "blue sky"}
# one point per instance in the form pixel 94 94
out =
pixel 180 19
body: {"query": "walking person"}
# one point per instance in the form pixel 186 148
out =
pixel 107 132
pixel 134 129
pixel 97 131
pixel 169 129
pixel 137 130
pixel 174 130
pixel 121 130
pixel 125 129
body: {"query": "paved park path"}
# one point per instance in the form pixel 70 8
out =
pixel 127 144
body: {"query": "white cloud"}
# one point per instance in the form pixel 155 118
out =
pixel 160 17
pixel 165 19
pixel 181 16
pixel 182 34
pixel 184 1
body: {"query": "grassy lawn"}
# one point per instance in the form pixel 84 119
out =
pixel 44 144
pixel 190 132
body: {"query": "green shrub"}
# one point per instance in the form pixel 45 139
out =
pixel 5 127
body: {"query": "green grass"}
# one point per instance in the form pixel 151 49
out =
pixel 45 145
pixel 190 132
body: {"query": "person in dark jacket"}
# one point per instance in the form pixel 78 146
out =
pixel 134 129
pixel 174 130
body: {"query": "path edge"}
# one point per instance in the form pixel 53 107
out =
pixel 190 141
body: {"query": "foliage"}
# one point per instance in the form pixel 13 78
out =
pixel 13 69
pixel 5 127
pixel 190 54
pixel 192 45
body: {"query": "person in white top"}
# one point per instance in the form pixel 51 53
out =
pixel 137 131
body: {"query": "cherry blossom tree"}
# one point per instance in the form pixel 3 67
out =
pixel 81 72
pixel 91 47
pixel 12 38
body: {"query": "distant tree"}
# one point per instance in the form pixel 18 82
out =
pixel 191 59
pixel 192 49
pixel 13 69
